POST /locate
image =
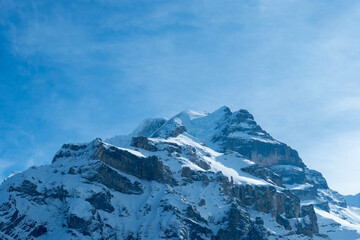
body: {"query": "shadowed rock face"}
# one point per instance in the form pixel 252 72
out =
pixel 101 201
pixel 149 168
pixel 308 224
pixel 114 180
pixel 38 231
pixel 144 143
pixel 265 174
pixel 239 226
pixel 239 132
pixel 264 198
pixel 79 224
pixel 265 154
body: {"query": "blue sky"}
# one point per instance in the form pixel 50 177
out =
pixel 71 71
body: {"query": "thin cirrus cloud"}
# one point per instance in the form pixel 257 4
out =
pixel 76 70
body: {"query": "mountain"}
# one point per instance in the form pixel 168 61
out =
pixel 353 200
pixel 197 175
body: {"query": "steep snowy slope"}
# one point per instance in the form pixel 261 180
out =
pixel 194 176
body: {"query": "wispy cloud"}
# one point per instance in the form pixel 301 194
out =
pixel 4 167
pixel 87 69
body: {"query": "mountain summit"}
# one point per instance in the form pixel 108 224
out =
pixel 197 175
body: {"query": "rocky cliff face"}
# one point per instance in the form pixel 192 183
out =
pixel 194 176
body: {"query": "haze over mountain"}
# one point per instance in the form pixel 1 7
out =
pixel 197 175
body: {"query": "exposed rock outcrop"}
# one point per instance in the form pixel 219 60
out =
pixel 264 173
pixel 144 143
pixel 150 168
pixel 240 226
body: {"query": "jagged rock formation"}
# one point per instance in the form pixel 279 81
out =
pixel 194 176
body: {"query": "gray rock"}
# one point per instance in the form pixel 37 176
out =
pixel 150 168
pixel 101 201
pixel 144 143
pixel 308 225
pixel 265 174
pixel 114 180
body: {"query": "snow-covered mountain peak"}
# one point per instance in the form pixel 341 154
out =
pixel 190 115
pixel 196 175
pixel 221 130
pixel 222 122
pixel 149 190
